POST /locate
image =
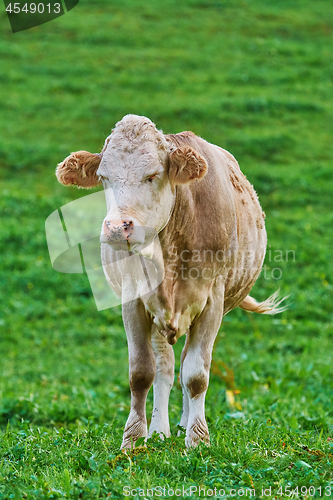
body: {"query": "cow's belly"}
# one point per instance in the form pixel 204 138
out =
pixel 246 267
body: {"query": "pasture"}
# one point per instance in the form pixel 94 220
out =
pixel 253 77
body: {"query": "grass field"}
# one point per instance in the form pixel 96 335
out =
pixel 253 77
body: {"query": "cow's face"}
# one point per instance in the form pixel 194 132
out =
pixel 139 170
pixel 139 195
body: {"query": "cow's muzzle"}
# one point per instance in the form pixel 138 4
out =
pixel 121 234
pixel 118 230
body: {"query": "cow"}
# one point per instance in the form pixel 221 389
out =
pixel 191 197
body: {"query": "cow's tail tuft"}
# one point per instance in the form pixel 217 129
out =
pixel 268 306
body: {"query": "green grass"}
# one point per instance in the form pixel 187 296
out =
pixel 254 77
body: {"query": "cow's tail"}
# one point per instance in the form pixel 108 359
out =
pixel 268 306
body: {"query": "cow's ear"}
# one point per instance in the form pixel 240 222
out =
pixel 186 165
pixel 79 169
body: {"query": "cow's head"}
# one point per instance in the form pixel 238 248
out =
pixel 139 169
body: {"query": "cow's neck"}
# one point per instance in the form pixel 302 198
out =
pixel 180 227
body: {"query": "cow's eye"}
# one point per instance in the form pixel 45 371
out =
pixel 151 177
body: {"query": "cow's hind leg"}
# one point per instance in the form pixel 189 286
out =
pixel 196 366
pixel 164 378
pixel 142 369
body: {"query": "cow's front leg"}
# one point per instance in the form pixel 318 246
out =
pixel 142 369
pixel 165 365
pixel 196 366
pixel 185 407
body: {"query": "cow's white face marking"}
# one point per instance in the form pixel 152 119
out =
pixel 136 183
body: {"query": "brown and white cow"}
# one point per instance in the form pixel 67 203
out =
pixel 192 197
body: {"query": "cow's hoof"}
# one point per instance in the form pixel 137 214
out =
pixel 193 441
pixel 197 433
pixel 130 443
pixel 134 430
